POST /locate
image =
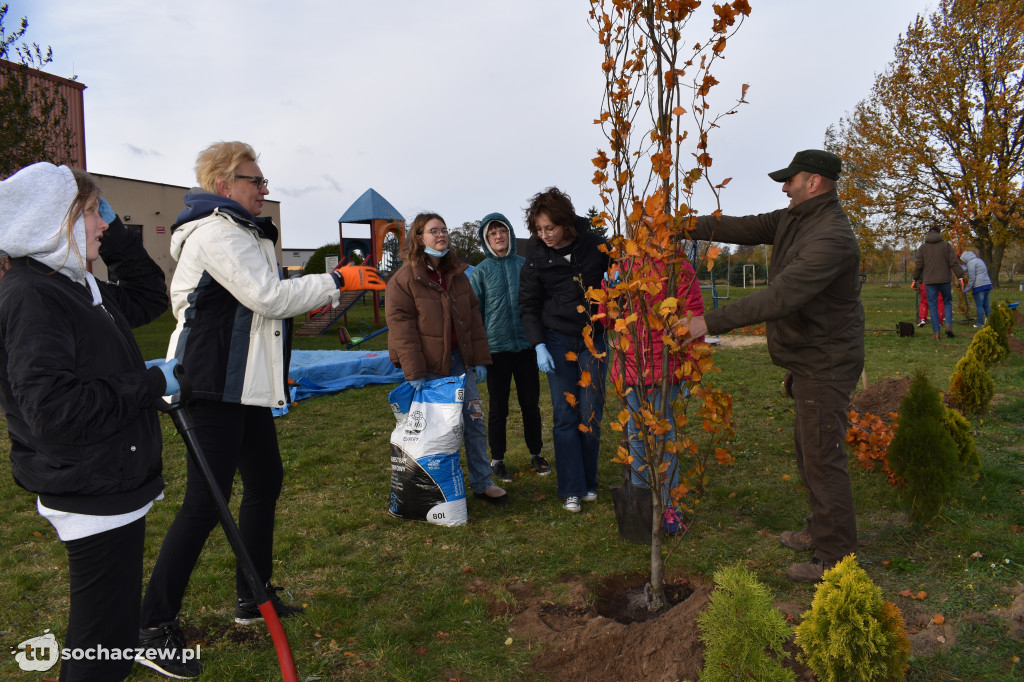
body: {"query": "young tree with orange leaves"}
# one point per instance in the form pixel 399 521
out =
pixel 658 119
pixel 940 139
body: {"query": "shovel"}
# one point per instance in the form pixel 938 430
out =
pixel 633 510
pixel 183 422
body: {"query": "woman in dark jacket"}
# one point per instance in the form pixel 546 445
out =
pixel 435 330
pixel 563 260
pixel 79 400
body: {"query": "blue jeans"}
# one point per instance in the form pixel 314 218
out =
pixel 474 433
pixel 638 448
pixel 576 451
pixel 932 291
pixel 981 305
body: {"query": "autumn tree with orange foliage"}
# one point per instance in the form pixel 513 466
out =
pixel 658 119
pixel 940 140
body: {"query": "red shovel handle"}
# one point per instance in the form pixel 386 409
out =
pixel 277 633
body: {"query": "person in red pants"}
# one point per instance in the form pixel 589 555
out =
pixel 922 309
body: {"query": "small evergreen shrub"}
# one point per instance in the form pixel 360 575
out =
pixel 851 634
pixel 960 429
pixel 986 347
pixel 317 263
pixel 1001 322
pixel 922 452
pixel 743 634
pixel 971 388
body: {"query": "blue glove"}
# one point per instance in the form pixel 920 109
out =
pixel 613 279
pixel 106 212
pixel 545 362
pixel 481 373
pixel 168 369
pixel 417 383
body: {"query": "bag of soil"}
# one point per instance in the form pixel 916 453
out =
pixel 426 477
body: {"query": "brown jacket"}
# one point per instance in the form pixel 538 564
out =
pixel 934 259
pixel 815 322
pixel 419 316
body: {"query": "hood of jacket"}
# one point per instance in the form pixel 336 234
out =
pixel 200 204
pixel 933 236
pixel 34 204
pixel 967 257
pixel 482 233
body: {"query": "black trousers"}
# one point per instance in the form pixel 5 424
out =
pixel 820 438
pixel 232 437
pixel 521 366
pixel 106 588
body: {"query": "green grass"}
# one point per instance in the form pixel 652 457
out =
pixel 399 600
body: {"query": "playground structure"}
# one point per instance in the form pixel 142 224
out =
pixel 387 237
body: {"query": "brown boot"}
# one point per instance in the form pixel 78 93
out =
pixel 799 540
pixel 808 571
pixel 935 336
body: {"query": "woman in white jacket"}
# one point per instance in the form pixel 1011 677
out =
pixel 979 284
pixel 234 312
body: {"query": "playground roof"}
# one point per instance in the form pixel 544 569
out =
pixel 370 206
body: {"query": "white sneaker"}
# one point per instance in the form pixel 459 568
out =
pixel 591 496
pixel 572 504
pixel 922 323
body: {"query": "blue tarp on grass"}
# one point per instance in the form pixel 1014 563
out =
pixel 322 372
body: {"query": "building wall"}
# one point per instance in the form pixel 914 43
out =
pixel 153 207
pixel 71 91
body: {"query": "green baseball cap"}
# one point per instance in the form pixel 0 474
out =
pixel 817 161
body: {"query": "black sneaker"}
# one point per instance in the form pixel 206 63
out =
pixel 540 465
pixel 500 471
pixel 163 649
pixel 247 611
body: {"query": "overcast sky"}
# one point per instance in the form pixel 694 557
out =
pixel 462 107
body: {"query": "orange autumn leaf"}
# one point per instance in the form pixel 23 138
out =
pixel 571 356
pixel 939 619
pixel 584 379
pixel 906 593
pixel 922 595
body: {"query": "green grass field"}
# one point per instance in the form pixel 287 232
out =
pixel 398 600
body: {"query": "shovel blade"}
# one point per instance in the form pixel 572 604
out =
pixel 633 511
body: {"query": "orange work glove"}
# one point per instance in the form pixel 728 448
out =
pixel 961 280
pixel 358 277
pixel 913 284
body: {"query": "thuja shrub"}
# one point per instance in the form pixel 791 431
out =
pixel 960 430
pixel 922 452
pixel 986 347
pixel 851 634
pixel 970 388
pixel 743 634
pixel 1001 322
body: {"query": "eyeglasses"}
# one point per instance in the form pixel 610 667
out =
pixel 437 231
pixel 497 230
pixel 260 182
pixel 548 230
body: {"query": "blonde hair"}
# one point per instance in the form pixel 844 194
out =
pixel 87 190
pixel 219 161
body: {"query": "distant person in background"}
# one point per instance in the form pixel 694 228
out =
pixel 979 284
pixel 80 403
pixel 563 260
pixel 233 338
pixel 435 330
pixel 922 307
pixel 496 283
pixel 935 258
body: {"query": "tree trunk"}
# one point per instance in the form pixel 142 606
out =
pixel 656 591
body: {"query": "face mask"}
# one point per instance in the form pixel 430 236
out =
pixel 434 252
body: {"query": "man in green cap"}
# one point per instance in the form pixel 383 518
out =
pixel 815 330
